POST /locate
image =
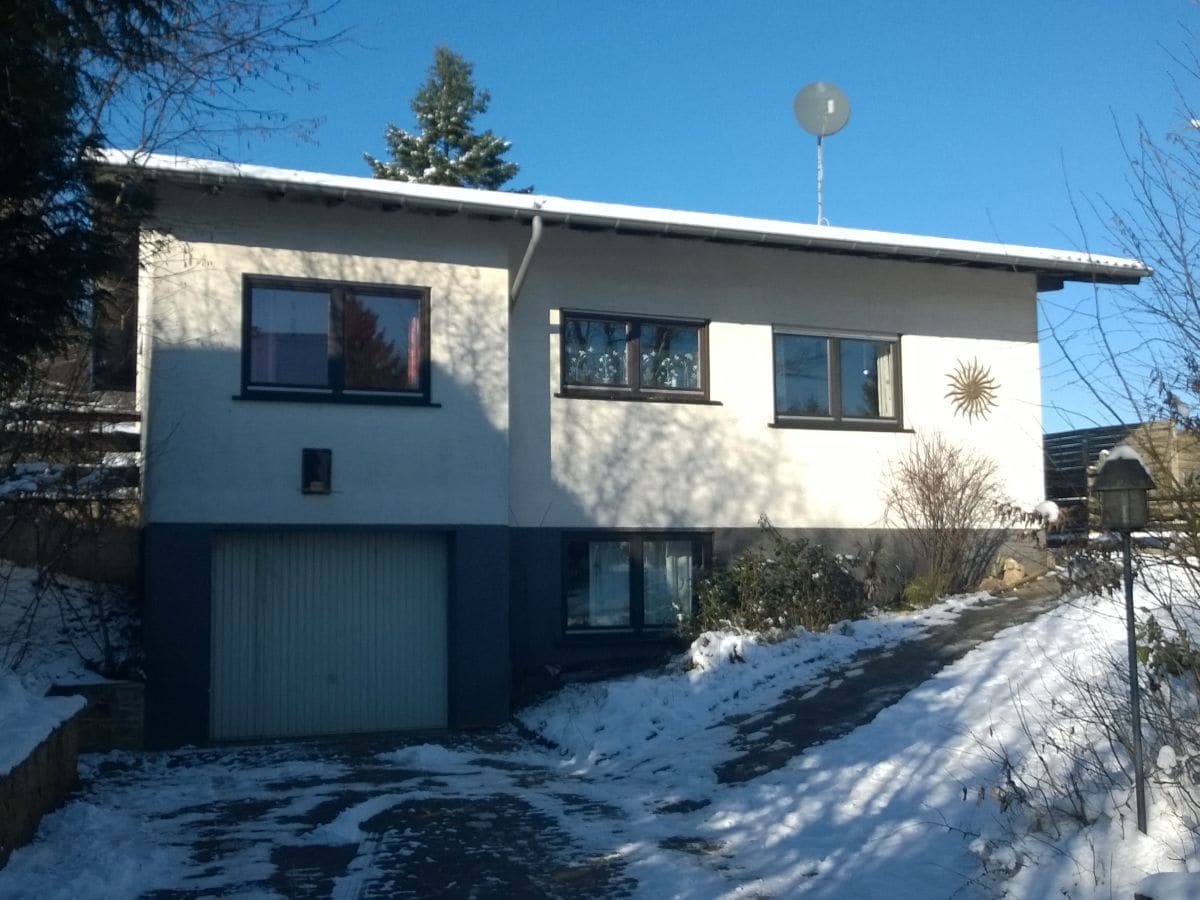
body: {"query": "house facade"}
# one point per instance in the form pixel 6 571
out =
pixel 403 441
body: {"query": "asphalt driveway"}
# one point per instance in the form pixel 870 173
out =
pixel 489 815
pixel 340 819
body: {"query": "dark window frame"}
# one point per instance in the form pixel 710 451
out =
pixel 336 391
pixel 702 542
pixel 634 390
pixel 836 420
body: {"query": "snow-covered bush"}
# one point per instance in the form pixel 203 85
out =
pixel 790 582
pixel 1070 778
pixel 1168 645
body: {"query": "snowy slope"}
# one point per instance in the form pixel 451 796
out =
pixel 905 806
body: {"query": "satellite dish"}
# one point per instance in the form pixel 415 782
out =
pixel 821 109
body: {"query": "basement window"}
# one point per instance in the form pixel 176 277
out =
pixel 631 582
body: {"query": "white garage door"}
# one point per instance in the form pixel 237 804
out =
pixel 327 633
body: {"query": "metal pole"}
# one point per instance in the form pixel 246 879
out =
pixel 1134 697
pixel 820 176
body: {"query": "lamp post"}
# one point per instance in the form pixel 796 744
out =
pixel 1123 486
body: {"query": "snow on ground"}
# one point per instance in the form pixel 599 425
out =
pixel 54 631
pixel 906 806
pixel 27 719
pixel 47 635
pixel 722 674
pixel 902 807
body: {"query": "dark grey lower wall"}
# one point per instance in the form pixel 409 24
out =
pixel 505 618
pixel 538 642
pixel 177 566
pixel 540 647
pixel 479 619
pixel 176 589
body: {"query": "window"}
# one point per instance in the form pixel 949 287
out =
pixel 633 358
pixel 631 582
pixel 323 340
pixel 826 380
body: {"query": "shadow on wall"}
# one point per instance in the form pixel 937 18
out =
pixel 234 462
pixel 660 465
pixel 601 464
pixel 586 463
pixel 215 459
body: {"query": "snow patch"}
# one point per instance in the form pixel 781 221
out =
pixel 1125 451
pixel 27 720
pixel 1048 510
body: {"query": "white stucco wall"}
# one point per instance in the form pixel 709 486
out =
pixel 500 447
pixel 213 458
pixel 581 463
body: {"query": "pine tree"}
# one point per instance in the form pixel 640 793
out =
pixel 48 251
pixel 447 150
pixel 77 75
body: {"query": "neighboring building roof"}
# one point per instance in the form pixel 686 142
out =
pixel 1069 453
pixel 1052 267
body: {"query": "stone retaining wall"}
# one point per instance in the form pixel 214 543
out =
pixel 37 785
pixel 110 557
pixel 115 715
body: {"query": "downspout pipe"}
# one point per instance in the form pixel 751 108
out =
pixel 534 239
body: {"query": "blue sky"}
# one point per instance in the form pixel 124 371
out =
pixel 969 120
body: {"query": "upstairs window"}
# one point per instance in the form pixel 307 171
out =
pixel 326 340
pixel 836 380
pixel 627 357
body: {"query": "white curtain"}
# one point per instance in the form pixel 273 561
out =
pixel 667 581
pixel 608 584
pixel 884 381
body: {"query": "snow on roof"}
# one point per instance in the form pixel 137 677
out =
pixel 1055 266
pixel 1125 451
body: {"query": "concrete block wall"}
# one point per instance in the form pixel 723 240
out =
pixel 115 715
pixel 37 785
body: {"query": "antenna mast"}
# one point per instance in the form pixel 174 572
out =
pixel 821 109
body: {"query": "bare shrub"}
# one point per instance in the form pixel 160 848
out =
pixel 1168 648
pixel 63 494
pixel 945 499
pixel 1077 766
pixel 1051 778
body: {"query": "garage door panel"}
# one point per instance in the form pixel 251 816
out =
pixel 327 633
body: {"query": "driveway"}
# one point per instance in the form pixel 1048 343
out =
pixel 363 818
pixel 497 815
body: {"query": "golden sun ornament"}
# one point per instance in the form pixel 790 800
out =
pixel 972 390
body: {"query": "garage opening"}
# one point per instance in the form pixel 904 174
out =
pixel 319 633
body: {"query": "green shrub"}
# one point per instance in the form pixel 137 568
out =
pixel 788 583
pixel 922 590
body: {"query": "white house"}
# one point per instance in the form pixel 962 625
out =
pixel 401 441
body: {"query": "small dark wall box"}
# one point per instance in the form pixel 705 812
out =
pixel 316 470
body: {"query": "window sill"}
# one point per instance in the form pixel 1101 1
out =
pixel 833 425
pixel 636 398
pixel 332 399
pixel 626 636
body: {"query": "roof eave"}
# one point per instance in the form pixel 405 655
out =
pixel 1050 274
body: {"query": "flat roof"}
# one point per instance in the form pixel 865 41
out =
pixel 1052 267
